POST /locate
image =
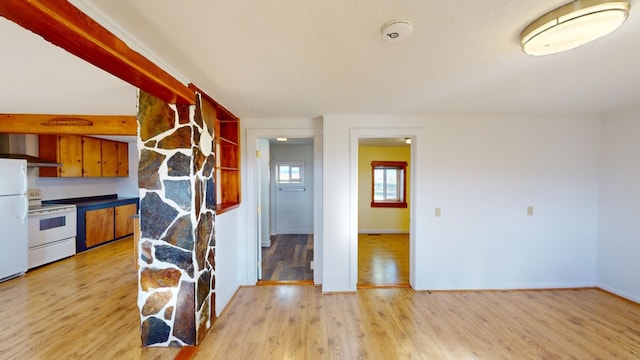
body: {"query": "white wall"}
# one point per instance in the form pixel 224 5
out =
pixel 619 225
pixel 229 256
pixel 128 187
pixel 483 172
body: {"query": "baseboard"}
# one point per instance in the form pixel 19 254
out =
pixel 364 232
pixel 294 232
pixel 619 293
pixel 508 287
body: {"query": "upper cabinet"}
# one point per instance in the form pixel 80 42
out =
pixel 123 159
pixel 91 157
pixel 64 149
pixel 109 160
pixel 83 156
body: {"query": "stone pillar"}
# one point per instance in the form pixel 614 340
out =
pixel 176 276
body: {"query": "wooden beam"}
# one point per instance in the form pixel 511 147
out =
pixel 68 124
pixel 66 26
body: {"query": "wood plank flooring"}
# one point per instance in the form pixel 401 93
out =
pixel 383 260
pixel 299 322
pixel 288 258
pixel 83 307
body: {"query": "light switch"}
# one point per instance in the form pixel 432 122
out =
pixel 529 210
pixel 437 212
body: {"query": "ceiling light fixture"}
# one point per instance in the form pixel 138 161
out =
pixel 281 139
pixel 407 141
pixel 396 30
pixel 572 25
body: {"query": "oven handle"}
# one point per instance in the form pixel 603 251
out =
pixel 41 212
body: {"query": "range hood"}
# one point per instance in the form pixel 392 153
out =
pixel 19 146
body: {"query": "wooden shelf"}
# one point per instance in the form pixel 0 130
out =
pixel 227 166
pixel 227 152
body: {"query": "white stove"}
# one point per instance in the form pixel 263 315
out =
pixel 52 230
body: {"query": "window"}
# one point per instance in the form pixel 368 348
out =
pixel 289 173
pixel 388 184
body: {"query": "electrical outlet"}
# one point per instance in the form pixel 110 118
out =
pixel 529 210
pixel 437 212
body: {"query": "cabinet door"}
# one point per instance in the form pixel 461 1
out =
pixel 70 155
pixel 124 220
pixel 109 158
pixel 91 157
pixel 123 159
pixel 98 226
pixel 48 150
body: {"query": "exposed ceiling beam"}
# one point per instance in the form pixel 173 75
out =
pixel 68 124
pixel 66 26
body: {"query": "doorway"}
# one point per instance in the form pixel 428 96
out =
pixel 383 212
pixel 285 191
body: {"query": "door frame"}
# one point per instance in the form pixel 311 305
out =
pixel 355 135
pixel 252 203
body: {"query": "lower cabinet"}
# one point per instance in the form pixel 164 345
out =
pixel 99 226
pixel 104 224
pixel 124 219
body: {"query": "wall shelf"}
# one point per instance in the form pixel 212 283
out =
pixel 227 152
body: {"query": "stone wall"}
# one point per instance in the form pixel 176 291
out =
pixel 177 213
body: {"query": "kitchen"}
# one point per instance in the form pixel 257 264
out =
pixel 58 207
pixel 39 78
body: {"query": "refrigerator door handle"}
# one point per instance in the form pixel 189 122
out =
pixel 23 170
pixel 25 216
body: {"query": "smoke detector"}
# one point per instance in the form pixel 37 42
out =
pixel 396 30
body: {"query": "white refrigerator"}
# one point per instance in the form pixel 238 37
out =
pixel 14 213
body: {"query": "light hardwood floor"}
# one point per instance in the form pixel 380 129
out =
pixel 83 307
pixel 383 260
pixel 298 322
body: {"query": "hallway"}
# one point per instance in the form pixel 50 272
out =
pixel 288 258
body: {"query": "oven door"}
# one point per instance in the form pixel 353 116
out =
pixel 46 226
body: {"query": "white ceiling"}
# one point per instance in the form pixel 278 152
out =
pixel 37 77
pixel 305 58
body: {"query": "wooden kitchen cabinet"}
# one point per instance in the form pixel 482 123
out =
pixel 109 158
pixel 91 157
pixel 124 219
pixel 83 156
pixel 64 149
pixel 99 226
pixel 104 222
pixel 103 225
pixel 123 159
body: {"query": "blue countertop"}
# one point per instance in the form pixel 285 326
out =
pixel 112 200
